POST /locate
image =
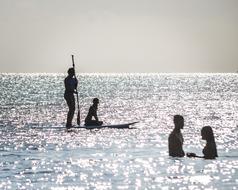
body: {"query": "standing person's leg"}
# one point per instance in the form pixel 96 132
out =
pixel 71 104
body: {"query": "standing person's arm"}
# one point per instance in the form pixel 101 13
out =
pixel 76 85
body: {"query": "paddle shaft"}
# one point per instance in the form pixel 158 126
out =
pixel 78 116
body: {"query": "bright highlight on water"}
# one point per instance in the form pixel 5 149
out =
pixel 33 156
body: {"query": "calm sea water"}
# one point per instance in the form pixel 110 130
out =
pixel 44 158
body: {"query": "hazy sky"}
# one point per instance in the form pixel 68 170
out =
pixel 119 35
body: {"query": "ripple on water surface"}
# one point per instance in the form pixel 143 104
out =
pixel 44 158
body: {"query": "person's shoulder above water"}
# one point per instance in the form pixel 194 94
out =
pixel 175 146
pixel 175 139
pixel 210 150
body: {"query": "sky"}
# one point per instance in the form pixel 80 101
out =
pixel 119 36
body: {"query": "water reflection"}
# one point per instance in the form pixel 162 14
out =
pixel 117 159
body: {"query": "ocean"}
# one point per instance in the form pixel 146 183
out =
pixel 35 156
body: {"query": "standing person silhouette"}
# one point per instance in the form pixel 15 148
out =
pixel 210 150
pixel 93 113
pixel 70 83
pixel 176 138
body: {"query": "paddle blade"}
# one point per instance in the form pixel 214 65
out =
pixel 78 118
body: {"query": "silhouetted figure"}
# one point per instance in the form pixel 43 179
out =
pixel 70 83
pixel 210 150
pixel 93 113
pixel 176 138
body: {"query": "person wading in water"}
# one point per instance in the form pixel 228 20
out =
pixel 210 150
pixel 176 138
pixel 93 113
pixel 71 84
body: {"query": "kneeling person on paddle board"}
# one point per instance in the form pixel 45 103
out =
pixel 93 113
pixel 70 83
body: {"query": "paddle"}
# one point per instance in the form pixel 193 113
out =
pixel 78 116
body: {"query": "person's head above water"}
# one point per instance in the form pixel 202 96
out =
pixel 207 134
pixel 178 121
pixel 95 101
pixel 71 71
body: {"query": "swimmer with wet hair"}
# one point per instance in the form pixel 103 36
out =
pixel 176 138
pixel 210 150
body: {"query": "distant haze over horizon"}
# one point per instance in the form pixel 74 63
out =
pixel 117 36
